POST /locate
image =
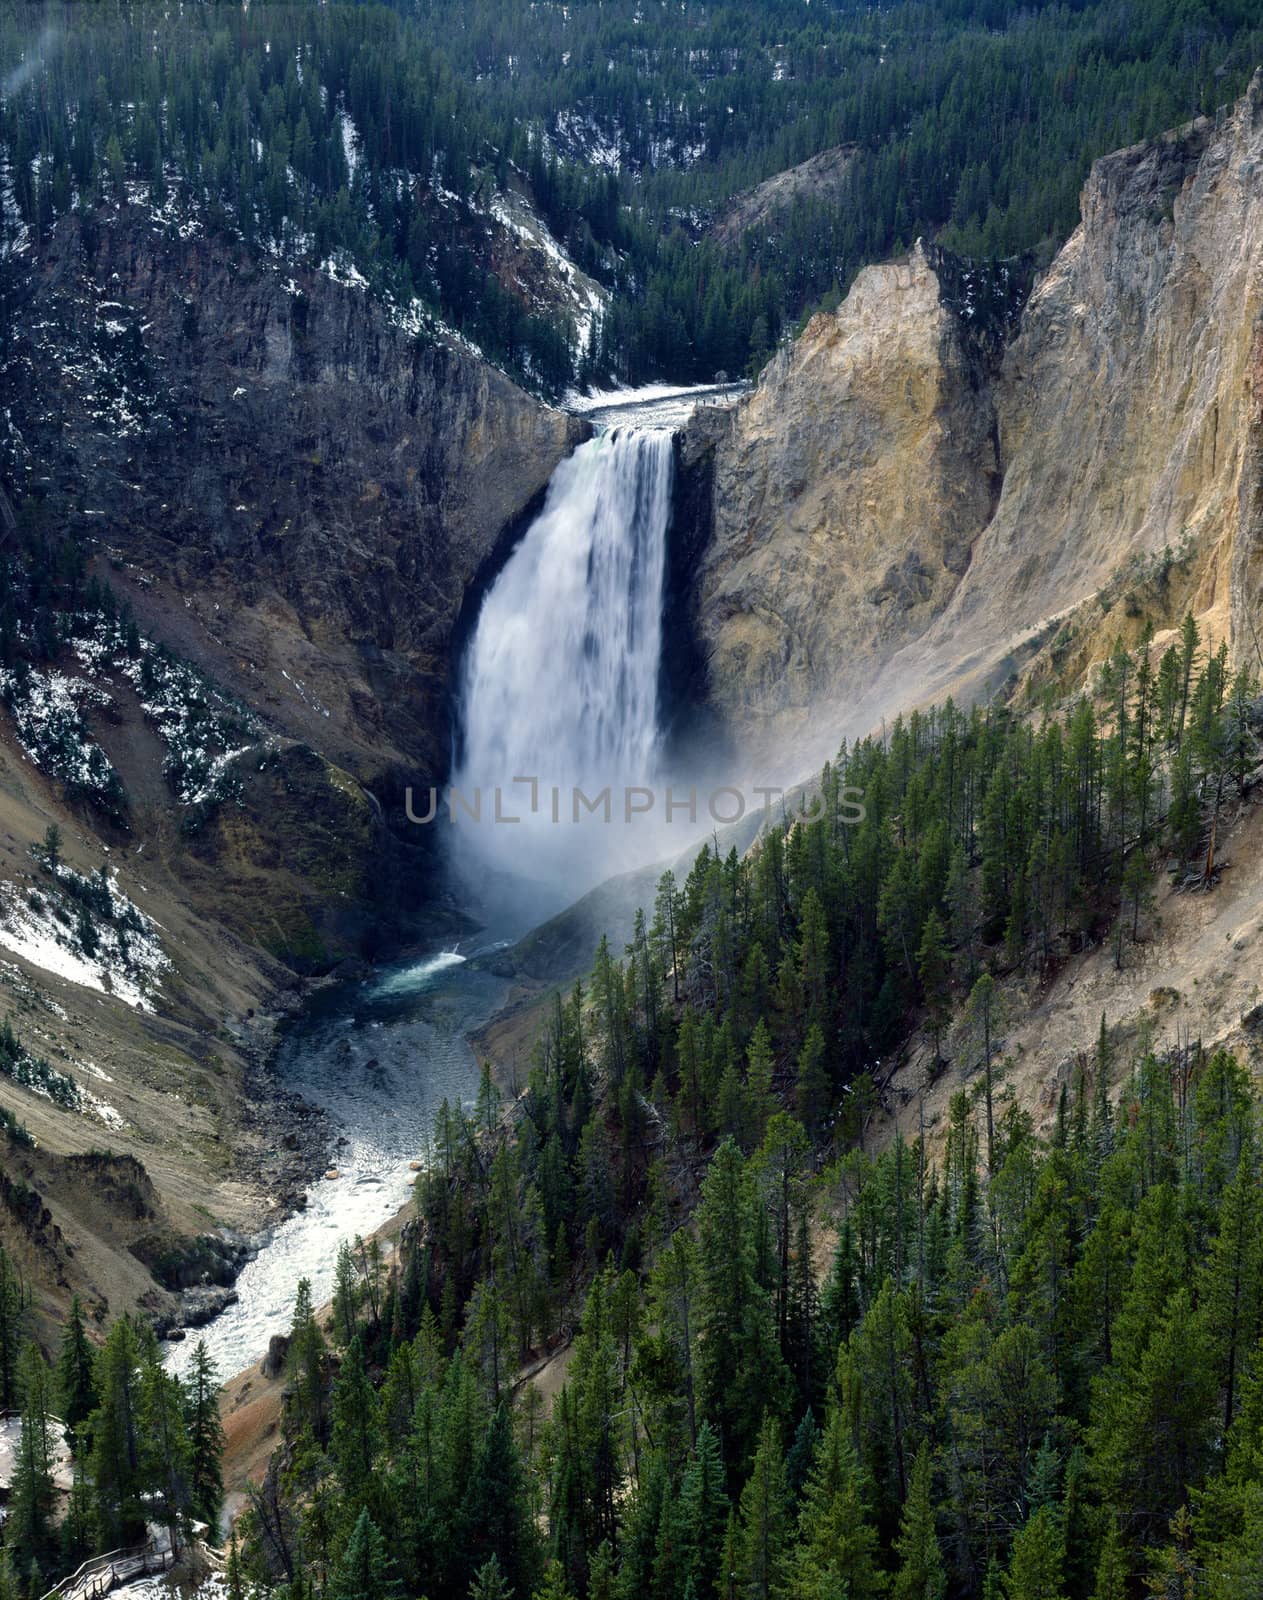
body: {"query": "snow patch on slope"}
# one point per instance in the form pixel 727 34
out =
pixel 584 299
pixel 88 932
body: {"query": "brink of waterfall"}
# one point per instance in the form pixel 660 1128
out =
pixel 559 687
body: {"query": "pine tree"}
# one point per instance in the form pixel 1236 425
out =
pixel 76 1532
pixel 1231 1287
pixel 840 1305
pixel 29 1527
pixel 1102 1110
pixel 365 1570
pixel 234 1581
pixel 666 1371
pixel 764 1517
pixel 1035 1569
pixel 166 1457
pixel 347 1296
pixel 836 1549
pixel 11 1318
pixel 740 1370
pixel 554 1584
pixel 921 1574
pixel 760 1100
pixel 76 1381
pixel 496 1505
pixel 304 1363
pixel 934 969
pixel 51 848
pixel 801 1455
pixel 115 1429
pixel 1111 1567
pixel 489 1583
pixel 780 1169
pixel 1189 640
pixel 812 1087
pixel 963 913
pixel 813 961
pixel 1154 1423
pixel 355 1438
pixel 1184 814
pixel 804 1344
pixel 881 1367
pixel 206 1436
pixel 978 1028
pixel 703 1503
pixel 602 1576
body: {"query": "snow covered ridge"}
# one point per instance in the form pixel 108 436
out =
pixel 120 378
pixel 584 299
pixel 203 732
pixel 86 930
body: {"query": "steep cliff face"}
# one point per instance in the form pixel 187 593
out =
pixel 305 485
pixel 294 490
pixel 848 492
pixel 1123 403
pixel 872 547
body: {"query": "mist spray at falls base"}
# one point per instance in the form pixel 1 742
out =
pixel 559 687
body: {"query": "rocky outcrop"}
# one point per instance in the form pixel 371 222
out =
pixel 1121 402
pixel 821 178
pixel 295 491
pixel 894 523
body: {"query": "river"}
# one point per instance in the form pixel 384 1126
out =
pixel 380 1057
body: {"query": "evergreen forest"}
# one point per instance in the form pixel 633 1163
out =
pixel 797 1349
pixel 374 137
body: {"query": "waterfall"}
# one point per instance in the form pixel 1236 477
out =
pixel 560 679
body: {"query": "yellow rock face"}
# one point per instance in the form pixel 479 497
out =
pixel 848 493
pixel 895 523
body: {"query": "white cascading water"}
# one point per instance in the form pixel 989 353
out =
pixel 560 679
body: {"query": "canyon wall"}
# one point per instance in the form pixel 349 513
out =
pixel 305 483
pixel 898 517
pixel 295 490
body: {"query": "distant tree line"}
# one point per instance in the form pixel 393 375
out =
pixel 380 132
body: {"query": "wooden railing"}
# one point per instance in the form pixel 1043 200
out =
pixel 95 1578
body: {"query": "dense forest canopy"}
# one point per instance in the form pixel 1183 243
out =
pixel 381 133
pixel 796 1365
